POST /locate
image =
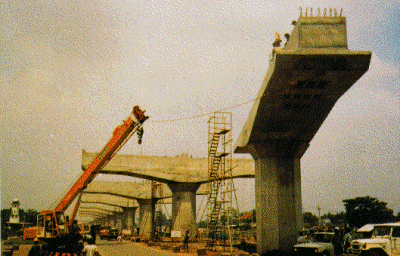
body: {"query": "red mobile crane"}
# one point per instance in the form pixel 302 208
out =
pixel 52 226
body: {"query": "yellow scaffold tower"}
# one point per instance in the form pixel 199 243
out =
pixel 220 182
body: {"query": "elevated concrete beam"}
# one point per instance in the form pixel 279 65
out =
pixel 93 213
pixel 100 207
pixel 132 190
pixel 108 200
pixel 302 84
pixel 167 169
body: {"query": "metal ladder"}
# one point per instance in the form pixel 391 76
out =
pixel 218 128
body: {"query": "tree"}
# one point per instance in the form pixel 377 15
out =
pixel 310 220
pixel 30 216
pixel 367 210
pixel 5 216
pixel 337 220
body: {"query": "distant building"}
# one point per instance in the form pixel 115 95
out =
pixel 14 225
pixel 14 217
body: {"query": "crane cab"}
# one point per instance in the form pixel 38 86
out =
pixel 51 224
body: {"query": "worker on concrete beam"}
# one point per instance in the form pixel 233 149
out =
pixel 278 40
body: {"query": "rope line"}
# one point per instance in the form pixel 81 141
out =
pixel 205 114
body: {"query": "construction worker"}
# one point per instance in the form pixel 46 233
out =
pixel 36 250
pixel 337 242
pixel 278 40
pixel 186 241
pixel 89 249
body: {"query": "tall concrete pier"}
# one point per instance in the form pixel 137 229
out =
pixel 304 80
pixel 184 206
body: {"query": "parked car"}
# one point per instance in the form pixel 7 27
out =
pixel 104 232
pixel 113 234
pixel 321 244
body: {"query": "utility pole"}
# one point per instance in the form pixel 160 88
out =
pixel 319 215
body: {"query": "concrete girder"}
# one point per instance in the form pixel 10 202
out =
pixel 167 169
pixel 100 207
pixel 132 190
pixel 94 212
pixel 111 200
pixel 302 84
pixel 94 216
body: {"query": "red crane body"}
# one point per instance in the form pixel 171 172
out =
pixel 55 219
pixel 120 135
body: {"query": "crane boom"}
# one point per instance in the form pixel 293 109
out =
pixel 61 236
pixel 121 134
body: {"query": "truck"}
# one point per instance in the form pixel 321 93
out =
pixel 61 234
pixel 320 244
pixel 385 241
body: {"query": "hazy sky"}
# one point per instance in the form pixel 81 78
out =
pixel 71 71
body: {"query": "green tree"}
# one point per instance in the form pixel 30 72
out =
pixel 309 220
pixel 367 210
pixel 338 219
pixel 5 216
pixel 30 216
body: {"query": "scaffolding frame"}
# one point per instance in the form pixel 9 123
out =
pixel 220 181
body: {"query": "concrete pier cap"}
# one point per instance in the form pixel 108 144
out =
pixel 304 80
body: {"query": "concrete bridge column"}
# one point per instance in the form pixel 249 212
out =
pixel 114 220
pixel 111 220
pixel 119 217
pixel 145 217
pixel 278 203
pixel 184 206
pixel 128 221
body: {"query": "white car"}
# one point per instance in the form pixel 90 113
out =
pixel 321 244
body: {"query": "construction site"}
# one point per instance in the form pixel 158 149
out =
pixel 304 80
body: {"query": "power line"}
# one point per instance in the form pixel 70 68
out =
pixel 205 114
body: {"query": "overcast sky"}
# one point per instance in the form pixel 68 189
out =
pixel 71 71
